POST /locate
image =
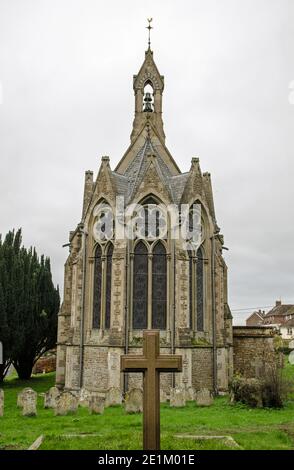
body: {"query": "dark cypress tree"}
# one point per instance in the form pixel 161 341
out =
pixel 10 289
pixel 29 304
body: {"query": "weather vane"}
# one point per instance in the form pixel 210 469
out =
pixel 149 27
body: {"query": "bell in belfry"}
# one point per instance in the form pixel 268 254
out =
pixel 148 103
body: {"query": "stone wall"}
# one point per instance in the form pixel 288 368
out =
pixel 45 364
pixel 253 349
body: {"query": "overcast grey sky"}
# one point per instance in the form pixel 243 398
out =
pixel 66 72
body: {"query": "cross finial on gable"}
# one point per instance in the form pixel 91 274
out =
pixel 149 27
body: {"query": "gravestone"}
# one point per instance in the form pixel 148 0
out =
pixel 97 404
pixel 29 403
pixel 204 397
pixel 50 397
pixel 134 401
pixel 85 397
pixel 190 394
pixel 113 397
pixel 177 398
pixel 20 395
pixel 163 396
pixel 66 403
pixel 1 402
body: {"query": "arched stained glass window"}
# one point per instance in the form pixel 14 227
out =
pixel 191 290
pixel 200 289
pixel 97 288
pixel 140 287
pixel 108 285
pixel 159 287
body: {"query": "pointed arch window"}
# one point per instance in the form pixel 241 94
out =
pixel 108 285
pixel 191 290
pixel 159 284
pixel 97 287
pixel 200 289
pixel 140 287
pixel 196 290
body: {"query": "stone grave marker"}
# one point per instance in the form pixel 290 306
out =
pixel 29 403
pixel 50 397
pixel 66 403
pixel 20 395
pixel 177 397
pixel 96 404
pixel 204 397
pixel 113 397
pixel 134 401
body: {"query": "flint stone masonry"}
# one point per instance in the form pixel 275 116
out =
pixel 134 401
pixel 177 398
pixel 204 397
pixel 113 397
pixel 29 403
pixel 50 397
pixel 254 349
pixel 97 404
pixel 1 402
pixel 66 403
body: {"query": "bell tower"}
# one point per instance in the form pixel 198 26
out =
pixel 148 88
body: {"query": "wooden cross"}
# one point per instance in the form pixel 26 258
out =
pixel 151 363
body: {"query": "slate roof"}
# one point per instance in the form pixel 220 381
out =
pixel 128 183
pixel 280 310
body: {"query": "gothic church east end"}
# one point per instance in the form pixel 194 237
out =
pixel 114 289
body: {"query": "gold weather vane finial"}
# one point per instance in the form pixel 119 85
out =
pixel 149 27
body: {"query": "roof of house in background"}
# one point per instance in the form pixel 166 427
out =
pixel 280 310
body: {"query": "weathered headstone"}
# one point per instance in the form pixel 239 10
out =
pixel 1 402
pixel 20 395
pixel 113 397
pixel 29 403
pixel 50 397
pixel 204 397
pixel 163 396
pixel 190 394
pixel 85 397
pixel 177 398
pixel 97 404
pixel 134 401
pixel 151 364
pixel 66 403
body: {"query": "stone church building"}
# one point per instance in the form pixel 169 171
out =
pixel 115 288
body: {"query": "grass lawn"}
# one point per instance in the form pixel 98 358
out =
pixel 250 428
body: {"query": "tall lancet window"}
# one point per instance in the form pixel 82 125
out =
pixel 200 289
pixel 191 290
pixel 140 287
pixel 108 285
pixel 196 289
pixel 97 288
pixel 159 285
